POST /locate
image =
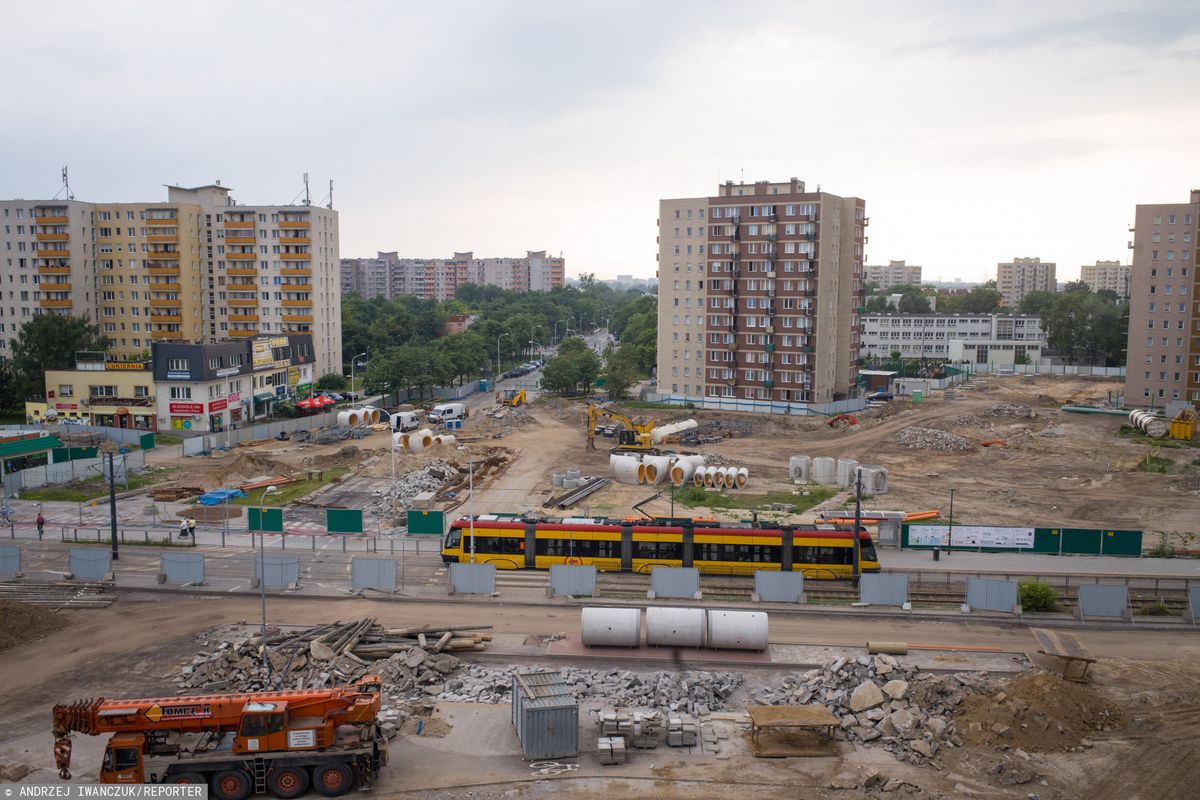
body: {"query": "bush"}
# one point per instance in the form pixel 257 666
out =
pixel 1037 596
pixel 1156 609
pixel 332 382
pixel 1155 463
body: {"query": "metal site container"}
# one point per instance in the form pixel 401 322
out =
pixel 545 715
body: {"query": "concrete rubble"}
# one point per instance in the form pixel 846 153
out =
pixel 917 438
pixel 429 478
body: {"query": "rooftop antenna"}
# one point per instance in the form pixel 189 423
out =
pixel 328 200
pixel 307 196
pixel 66 187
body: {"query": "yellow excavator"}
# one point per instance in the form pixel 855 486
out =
pixel 633 436
pixel 511 397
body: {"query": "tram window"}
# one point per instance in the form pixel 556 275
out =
pixel 503 545
pixel 453 539
pixel 867 551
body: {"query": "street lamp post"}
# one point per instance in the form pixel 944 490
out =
pixel 470 495
pixel 262 581
pixel 352 362
pixel 555 336
pixel 498 370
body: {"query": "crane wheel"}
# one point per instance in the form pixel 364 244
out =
pixel 288 782
pixel 231 784
pixel 185 777
pixel 332 780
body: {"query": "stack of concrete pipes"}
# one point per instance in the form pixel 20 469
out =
pixel 841 472
pixel 680 470
pixel 358 416
pixel 423 439
pixel 721 477
pixel 674 627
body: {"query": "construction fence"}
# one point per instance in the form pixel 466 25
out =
pixel 758 406
pixel 77 469
pixel 1008 539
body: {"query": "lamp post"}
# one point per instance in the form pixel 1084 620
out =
pixel 498 370
pixel 262 580
pixel 555 336
pixel 470 496
pixel 950 528
pixel 533 338
pixel 352 362
pixel 857 524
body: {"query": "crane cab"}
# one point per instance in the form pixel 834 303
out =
pixel 123 759
pixel 263 728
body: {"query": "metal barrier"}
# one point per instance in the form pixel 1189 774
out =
pixel 572 580
pixel 681 582
pixel 885 589
pixel 279 570
pixel 991 595
pixel 88 563
pixel 1103 601
pixel 10 561
pixel 472 579
pixel 778 587
pixel 373 573
pixel 185 568
pixel 1194 604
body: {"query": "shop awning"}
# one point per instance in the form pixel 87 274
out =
pixel 264 397
pixel 23 447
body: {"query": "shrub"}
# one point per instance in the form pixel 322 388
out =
pixel 1156 609
pixel 1037 596
pixel 1154 463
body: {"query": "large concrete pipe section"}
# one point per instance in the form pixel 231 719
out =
pixel 658 468
pixel 624 469
pixel 368 415
pixel 698 477
pixel 800 469
pixel 675 627
pixel 823 470
pixel 724 477
pixel 742 478
pixel 658 435
pixel 684 467
pixel 1149 424
pixel 420 440
pixel 445 440
pixel 348 419
pixel 611 627
pixel 737 630
pixel 399 441
pixel 710 477
pixel 845 472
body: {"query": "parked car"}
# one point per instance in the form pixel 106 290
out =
pixel 881 395
pixel 447 412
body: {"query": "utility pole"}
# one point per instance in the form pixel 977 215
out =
pixel 950 530
pixel 112 503
pixel 857 569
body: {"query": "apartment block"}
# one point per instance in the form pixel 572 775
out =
pixel 196 268
pixel 980 338
pixel 1019 277
pixel 894 273
pixel 1111 275
pixel 388 275
pixel 1163 350
pixel 760 288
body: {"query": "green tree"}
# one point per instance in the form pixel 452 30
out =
pixel 559 374
pixel 877 304
pixel 50 341
pixel 913 303
pixel 621 370
pixel 571 345
pixel 1037 303
pixel 332 382
pixel 587 367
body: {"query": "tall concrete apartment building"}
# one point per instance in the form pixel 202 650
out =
pixel 760 288
pixel 196 268
pixel 1111 275
pixel 388 275
pixel 894 273
pixel 1163 351
pixel 1019 277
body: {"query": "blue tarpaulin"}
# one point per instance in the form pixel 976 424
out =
pixel 218 496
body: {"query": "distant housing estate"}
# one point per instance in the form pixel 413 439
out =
pixel 894 273
pixel 996 339
pixel 1111 275
pixel 1019 277
pixel 388 275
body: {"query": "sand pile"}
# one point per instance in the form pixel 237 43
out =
pixel 1037 712
pixel 20 623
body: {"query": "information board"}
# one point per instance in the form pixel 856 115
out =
pixel 970 536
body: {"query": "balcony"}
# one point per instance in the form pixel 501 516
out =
pixel 296 303
pixel 296 287
pixel 158 222
pixel 294 225
pixel 54 287
pixel 167 302
pixel 238 223
pixel 295 240
pixel 243 318
pixel 162 255
pixel 165 269
pixel 165 316
pixel 296 272
pixel 167 334
pixel 62 220
pixel 239 240
pixel 297 318
pixel 242 271
pixel 163 238
pixel 54 269
pixel 166 287
pixel 52 237
pixel 296 256
pixel 240 256
pixel 47 303
pixel 243 333
pixel 242 301
pixel 53 253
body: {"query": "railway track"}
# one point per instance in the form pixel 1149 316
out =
pixel 57 595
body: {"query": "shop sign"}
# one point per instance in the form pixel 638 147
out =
pixel 124 365
pixel 186 408
pixel 178 375
pixel 218 405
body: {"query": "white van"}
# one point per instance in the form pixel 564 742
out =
pixel 405 421
pixel 447 412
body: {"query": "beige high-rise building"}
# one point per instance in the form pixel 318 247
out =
pixel 1111 275
pixel 388 275
pixel 894 273
pixel 196 268
pixel 760 288
pixel 1163 351
pixel 1019 277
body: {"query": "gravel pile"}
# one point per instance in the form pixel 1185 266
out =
pixel 881 702
pixel 915 438
pixel 1012 410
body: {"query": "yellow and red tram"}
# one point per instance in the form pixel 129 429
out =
pixel 611 545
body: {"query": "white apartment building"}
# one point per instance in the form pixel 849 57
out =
pixel 894 273
pixel 979 338
pixel 1019 277
pixel 1111 275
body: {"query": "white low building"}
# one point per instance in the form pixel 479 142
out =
pixel 997 339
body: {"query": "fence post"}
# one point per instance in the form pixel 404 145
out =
pixel 313 538
pixel 283 540
pixel 343 544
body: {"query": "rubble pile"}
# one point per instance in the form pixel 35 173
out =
pixel 429 478
pixel 510 416
pixel 1012 410
pixel 328 655
pixel 881 701
pixel 917 438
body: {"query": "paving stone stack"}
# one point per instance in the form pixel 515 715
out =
pixel 647 729
pixel 881 702
pixel 682 730
pixel 611 750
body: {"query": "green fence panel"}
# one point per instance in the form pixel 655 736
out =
pixel 1081 541
pixel 271 519
pixel 1046 540
pixel 1122 543
pixel 426 522
pixel 146 441
pixel 61 455
pixel 344 520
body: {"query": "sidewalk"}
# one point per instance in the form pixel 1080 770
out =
pixel 961 560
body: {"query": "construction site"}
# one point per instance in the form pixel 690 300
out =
pixel 524 692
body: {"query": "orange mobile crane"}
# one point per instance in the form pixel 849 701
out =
pixel 281 742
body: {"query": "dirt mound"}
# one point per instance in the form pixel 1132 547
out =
pixel 20 623
pixel 1037 712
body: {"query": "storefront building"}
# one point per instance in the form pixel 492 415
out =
pixel 116 394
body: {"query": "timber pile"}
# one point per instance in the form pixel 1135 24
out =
pixel 330 655
pixel 173 494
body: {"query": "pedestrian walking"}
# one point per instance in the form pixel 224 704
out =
pixel 191 523
pixel 41 523
pixel 183 528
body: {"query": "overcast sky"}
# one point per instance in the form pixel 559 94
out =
pixel 974 131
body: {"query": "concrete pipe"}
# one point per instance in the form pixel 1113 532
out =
pixel 737 630
pixel 800 469
pixel 399 441
pixel 823 470
pixel 742 478
pixel 845 472
pixel 445 440
pixel 556 478
pixel 368 416
pixel 658 435
pixel 698 478
pixel 657 468
pixel 624 469
pixel 710 477
pixel 889 648
pixel 611 627
pixel 675 627
pixel 420 440
pixel 684 467
pixel 1149 424
pixel 348 419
